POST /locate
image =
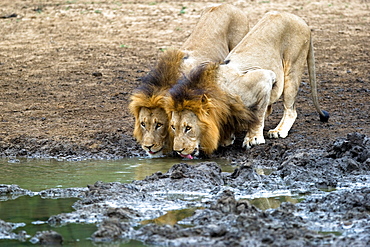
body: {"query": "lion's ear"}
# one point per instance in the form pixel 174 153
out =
pixel 205 99
pixel 205 104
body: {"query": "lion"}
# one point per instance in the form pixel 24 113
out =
pixel 265 65
pixel 218 31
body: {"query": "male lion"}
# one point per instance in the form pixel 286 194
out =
pixel 265 65
pixel 219 30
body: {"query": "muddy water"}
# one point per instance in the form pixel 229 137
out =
pixel 41 174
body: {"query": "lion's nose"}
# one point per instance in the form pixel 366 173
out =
pixel 149 146
pixel 179 151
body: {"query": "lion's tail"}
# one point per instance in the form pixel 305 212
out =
pixel 324 115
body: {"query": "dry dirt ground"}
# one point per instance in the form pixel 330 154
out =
pixel 67 69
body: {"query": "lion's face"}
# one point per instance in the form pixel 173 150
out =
pixel 185 126
pixel 154 129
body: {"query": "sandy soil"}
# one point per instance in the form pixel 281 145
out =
pixel 67 69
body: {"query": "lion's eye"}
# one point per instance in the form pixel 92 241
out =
pixel 173 127
pixel 158 125
pixel 142 124
pixel 187 129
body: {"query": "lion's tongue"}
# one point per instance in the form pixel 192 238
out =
pixel 188 156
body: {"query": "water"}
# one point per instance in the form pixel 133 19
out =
pixel 33 212
pixel 41 174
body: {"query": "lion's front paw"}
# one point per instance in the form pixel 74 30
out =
pixel 277 134
pixel 253 141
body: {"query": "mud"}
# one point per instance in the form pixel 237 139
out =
pixel 67 69
pixel 331 205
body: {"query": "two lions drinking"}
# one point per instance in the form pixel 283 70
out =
pixel 222 81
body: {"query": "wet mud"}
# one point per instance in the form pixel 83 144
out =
pixel 330 202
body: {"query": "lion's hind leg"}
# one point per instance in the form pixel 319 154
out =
pixel 286 123
pixel 292 78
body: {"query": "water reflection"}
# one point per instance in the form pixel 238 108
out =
pixel 32 213
pixel 174 216
pixel 40 174
pixel 171 217
pixel 272 202
pixel 34 209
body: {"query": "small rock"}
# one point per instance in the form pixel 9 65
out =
pixel 97 74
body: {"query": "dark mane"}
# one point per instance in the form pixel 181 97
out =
pixel 191 87
pixel 164 75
